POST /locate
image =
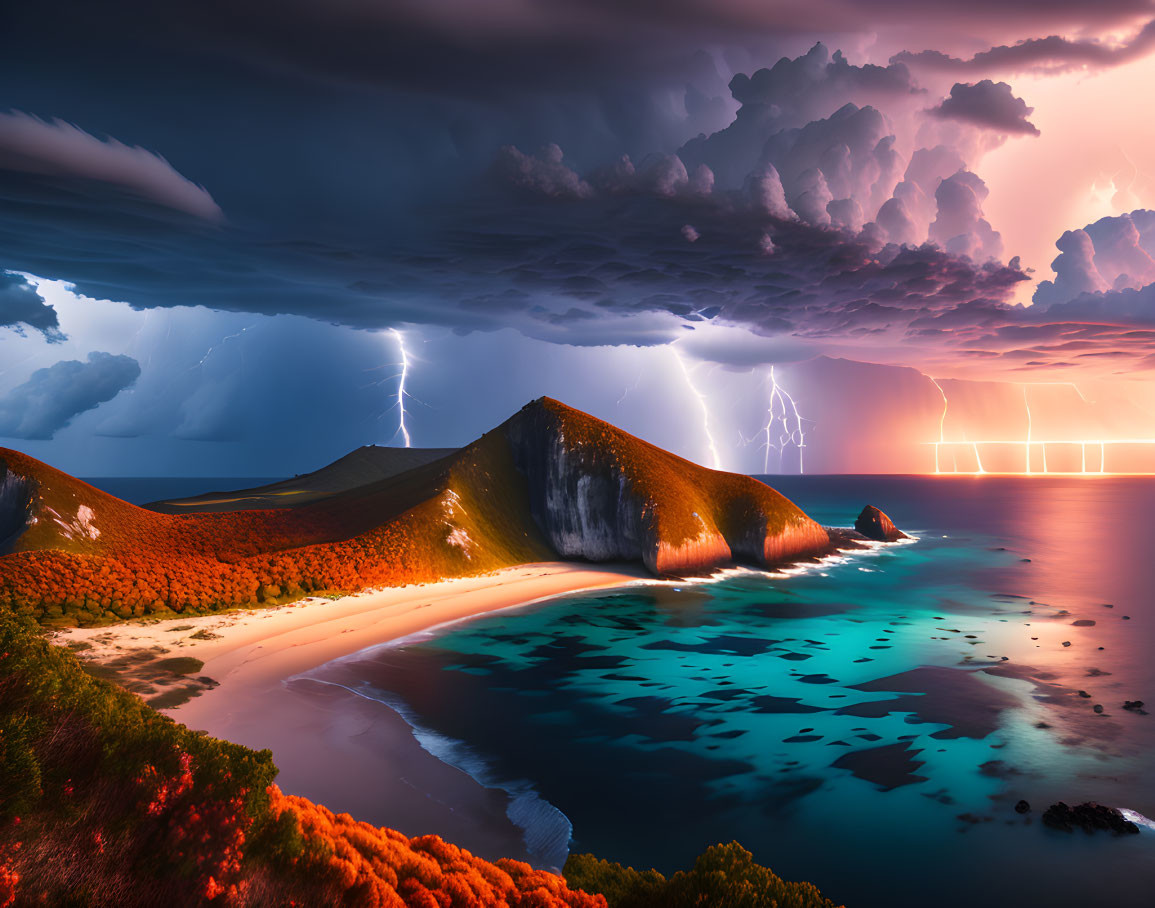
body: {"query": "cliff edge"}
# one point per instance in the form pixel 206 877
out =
pixel 601 494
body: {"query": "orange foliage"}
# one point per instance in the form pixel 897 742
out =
pixel 197 828
pixel 374 867
pixel 9 878
pixel 143 562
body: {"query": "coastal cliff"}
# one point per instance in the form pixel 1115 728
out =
pixel 551 482
pixel 601 494
pixel 15 506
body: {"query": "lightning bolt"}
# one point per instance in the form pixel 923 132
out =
pixel 703 405
pixel 978 460
pixel 220 343
pixel 1027 404
pixel 402 429
pixel 628 389
pixel 941 424
pixel 783 410
pixel 1032 440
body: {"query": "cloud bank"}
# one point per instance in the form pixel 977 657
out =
pixel 60 149
pixel 52 397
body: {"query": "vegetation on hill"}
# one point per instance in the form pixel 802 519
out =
pixel 722 875
pixel 78 556
pixel 105 802
pixel 90 558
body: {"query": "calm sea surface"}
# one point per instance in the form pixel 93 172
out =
pixel 867 725
pixel 146 490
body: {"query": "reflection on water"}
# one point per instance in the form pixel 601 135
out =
pixel 867 725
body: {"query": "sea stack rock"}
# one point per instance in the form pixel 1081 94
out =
pixel 873 524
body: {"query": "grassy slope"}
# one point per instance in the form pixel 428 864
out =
pixel 357 469
pixel 462 516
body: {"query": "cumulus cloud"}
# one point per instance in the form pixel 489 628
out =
pixel 22 305
pixel 659 174
pixel 51 397
pixel 541 174
pixel 59 149
pixel 960 227
pixel 991 105
pixel 1114 253
pixel 764 192
pixel 790 95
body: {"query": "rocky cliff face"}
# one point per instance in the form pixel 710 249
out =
pixel 601 494
pixel 15 506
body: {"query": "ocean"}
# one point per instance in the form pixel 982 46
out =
pixel 144 490
pixel 868 723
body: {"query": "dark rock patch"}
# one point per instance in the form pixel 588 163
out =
pixel 1090 817
pixel 946 696
pixel 890 766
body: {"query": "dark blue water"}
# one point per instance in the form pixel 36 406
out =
pixel 146 490
pixel 867 725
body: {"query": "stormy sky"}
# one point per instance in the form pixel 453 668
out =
pixel 732 228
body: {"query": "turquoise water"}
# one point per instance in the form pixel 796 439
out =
pixel 866 724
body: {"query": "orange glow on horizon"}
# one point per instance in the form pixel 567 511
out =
pixel 1064 435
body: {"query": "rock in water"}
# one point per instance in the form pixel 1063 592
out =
pixel 873 524
pixel 1089 817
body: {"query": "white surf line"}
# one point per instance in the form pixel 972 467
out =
pixel 1137 818
pixel 546 831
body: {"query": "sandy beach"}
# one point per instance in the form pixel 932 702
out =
pixel 330 745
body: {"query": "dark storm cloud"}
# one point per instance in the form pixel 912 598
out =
pixel 362 190
pixel 1052 54
pixel 21 306
pixel 51 397
pixel 991 105
pixel 602 269
pixel 505 41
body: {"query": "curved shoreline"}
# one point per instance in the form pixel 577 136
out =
pixel 361 755
pixel 333 746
